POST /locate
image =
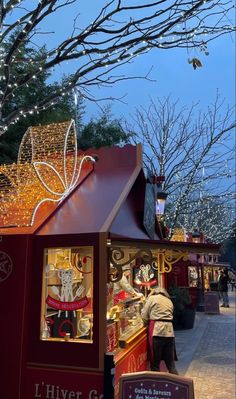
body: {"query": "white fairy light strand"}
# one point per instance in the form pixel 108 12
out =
pixel 32 179
pixel 122 56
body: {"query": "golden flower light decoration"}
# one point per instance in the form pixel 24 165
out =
pixel 47 170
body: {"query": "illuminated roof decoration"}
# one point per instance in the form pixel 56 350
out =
pixel 179 235
pixel 47 169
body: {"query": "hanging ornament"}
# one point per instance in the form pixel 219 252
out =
pixel 196 63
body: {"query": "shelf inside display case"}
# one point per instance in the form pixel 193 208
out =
pixel 125 342
pixel 124 323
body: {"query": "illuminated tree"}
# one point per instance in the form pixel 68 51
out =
pixel 229 248
pixel 116 33
pixel 26 95
pixel 104 132
pixel 195 152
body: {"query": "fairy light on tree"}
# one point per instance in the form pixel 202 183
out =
pixel 196 154
pixel 116 35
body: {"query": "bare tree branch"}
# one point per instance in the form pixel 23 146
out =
pixel 197 158
pixel 119 32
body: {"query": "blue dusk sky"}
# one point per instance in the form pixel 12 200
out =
pixel 171 73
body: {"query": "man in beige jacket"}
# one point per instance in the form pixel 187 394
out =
pixel 158 313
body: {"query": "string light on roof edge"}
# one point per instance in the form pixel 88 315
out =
pixel 47 170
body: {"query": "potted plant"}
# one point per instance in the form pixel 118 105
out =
pixel 184 311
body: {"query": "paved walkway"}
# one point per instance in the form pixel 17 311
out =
pixel 206 353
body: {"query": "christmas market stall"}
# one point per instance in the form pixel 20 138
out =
pixel 61 315
pixel 191 273
pixel 80 248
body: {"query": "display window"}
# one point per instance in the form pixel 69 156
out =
pixel 207 278
pixel 67 295
pixel 193 276
pixel 124 304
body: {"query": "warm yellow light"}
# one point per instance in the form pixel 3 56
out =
pixel 179 235
pixel 47 169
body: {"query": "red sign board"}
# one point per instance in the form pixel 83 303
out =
pixel 112 336
pixel 135 360
pixel 152 385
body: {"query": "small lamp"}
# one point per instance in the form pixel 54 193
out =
pixel 161 196
pixel 196 236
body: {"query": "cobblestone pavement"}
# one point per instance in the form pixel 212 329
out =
pixel 207 354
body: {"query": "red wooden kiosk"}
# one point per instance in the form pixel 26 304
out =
pixel 61 254
pixel 56 340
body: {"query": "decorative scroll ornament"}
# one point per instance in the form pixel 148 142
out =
pixel 117 261
pixel 160 260
pixel 47 170
pixel 166 258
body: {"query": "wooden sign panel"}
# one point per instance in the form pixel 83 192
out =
pixel 14 272
pixel 211 300
pixel 149 210
pixel 152 385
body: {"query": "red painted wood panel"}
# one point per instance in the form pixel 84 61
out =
pixel 13 315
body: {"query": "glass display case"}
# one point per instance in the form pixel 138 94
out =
pixel 124 319
pixel 130 320
pixel 124 304
pixel 67 294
